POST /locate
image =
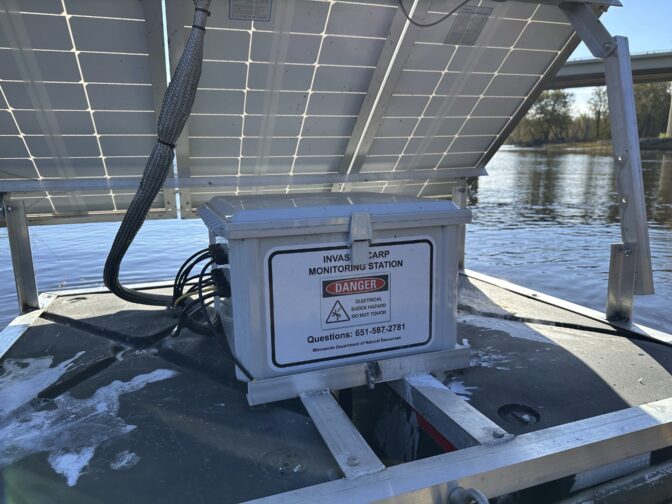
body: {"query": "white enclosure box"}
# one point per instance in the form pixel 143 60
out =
pixel 323 280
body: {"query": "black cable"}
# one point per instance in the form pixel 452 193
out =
pixel 433 23
pixel 218 324
pixel 182 278
pixel 175 109
pixel 185 313
pixel 202 299
pixel 187 261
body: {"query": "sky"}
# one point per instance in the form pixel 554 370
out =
pixel 646 23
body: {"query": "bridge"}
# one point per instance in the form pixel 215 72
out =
pixel 646 67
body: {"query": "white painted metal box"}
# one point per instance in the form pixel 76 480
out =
pixel 322 280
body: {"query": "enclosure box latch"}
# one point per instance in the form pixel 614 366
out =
pixel 360 236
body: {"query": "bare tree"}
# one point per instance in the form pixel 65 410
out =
pixel 599 107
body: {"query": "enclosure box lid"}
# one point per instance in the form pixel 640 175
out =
pixel 311 213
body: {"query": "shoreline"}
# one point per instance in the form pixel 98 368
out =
pixel 597 147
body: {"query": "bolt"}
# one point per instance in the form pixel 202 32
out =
pixel 498 434
pixel 352 461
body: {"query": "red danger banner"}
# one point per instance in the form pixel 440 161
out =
pixel 358 285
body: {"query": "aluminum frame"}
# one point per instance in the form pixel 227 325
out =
pixel 621 289
pixel 353 455
pixel 17 327
pixel 636 329
pixel 524 461
pixel 625 140
pixel 452 416
pixel 391 62
pixel 355 375
pixel 96 183
pixel 14 215
pixel 461 199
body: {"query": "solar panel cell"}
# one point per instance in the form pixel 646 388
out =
pixel 128 123
pixel 22 95
pixel 38 66
pixel 41 122
pixel 62 146
pixel 19 168
pixel 109 35
pixel 215 125
pixel 70 168
pixel 351 51
pixel 223 75
pixel 117 68
pixel 34 31
pixel 290 48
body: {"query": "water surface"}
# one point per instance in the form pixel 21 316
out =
pixel 545 221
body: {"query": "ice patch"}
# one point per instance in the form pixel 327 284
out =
pixel 458 387
pixel 489 358
pixel 71 463
pixel 510 327
pixel 70 429
pixel 23 379
pixel 124 460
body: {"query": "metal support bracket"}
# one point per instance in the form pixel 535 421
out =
pixel 625 139
pixel 354 375
pixel 589 28
pixel 353 455
pixel 454 418
pixel 460 196
pixel 14 215
pixel 398 46
pixel 621 291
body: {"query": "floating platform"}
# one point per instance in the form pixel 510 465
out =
pixel 93 408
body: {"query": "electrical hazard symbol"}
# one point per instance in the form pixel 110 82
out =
pixel 337 314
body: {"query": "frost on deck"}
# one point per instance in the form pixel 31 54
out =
pixel 68 429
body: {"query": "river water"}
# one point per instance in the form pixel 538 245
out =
pixel 544 221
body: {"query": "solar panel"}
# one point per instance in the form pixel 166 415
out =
pixel 350 87
pixel 295 95
pixel 77 99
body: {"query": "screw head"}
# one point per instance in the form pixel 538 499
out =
pixel 498 434
pixel 352 461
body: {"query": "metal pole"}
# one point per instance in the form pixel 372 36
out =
pixel 625 140
pixel 22 258
pixel 460 194
pixel 669 118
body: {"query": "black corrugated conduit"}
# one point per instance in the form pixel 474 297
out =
pixel 175 111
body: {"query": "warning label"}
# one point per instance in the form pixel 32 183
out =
pixel 359 300
pixel 337 314
pixel 321 306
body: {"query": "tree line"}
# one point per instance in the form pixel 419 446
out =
pixel 550 120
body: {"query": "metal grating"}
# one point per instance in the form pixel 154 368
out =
pixel 77 99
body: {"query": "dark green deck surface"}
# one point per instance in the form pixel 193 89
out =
pixel 168 423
